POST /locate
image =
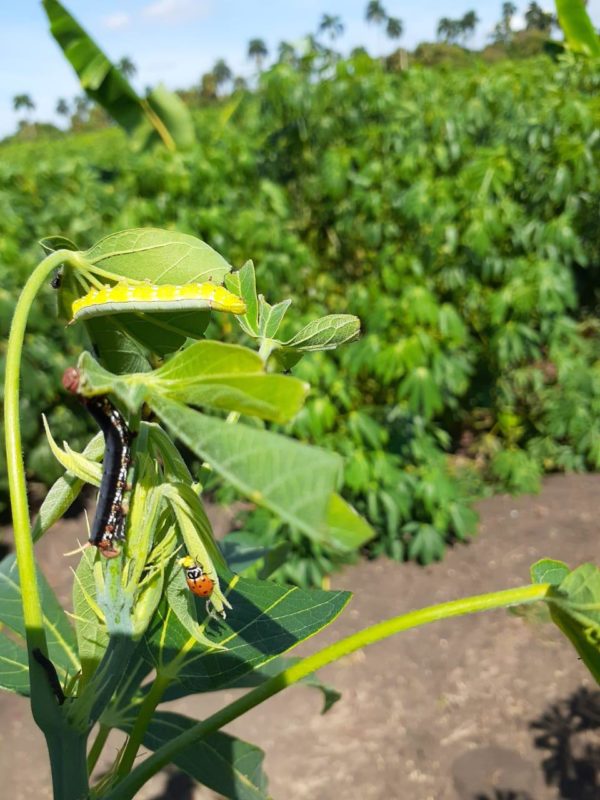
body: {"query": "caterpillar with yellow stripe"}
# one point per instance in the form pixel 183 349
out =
pixel 123 297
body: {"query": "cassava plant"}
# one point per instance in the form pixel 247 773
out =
pixel 160 610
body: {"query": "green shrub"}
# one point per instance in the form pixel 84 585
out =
pixel 455 212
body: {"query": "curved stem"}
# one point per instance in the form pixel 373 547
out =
pixel 97 747
pixel 375 633
pixel 142 721
pixel 32 610
pixel 166 673
pixel 66 748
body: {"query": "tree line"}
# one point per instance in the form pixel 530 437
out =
pixel 80 112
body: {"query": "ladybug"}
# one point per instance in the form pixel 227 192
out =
pixel 199 583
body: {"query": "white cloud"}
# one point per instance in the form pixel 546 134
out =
pixel 176 10
pixel 117 20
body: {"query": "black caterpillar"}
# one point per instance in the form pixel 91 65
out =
pixel 109 522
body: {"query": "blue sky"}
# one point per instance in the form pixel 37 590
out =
pixel 175 41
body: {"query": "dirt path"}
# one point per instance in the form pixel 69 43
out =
pixel 448 712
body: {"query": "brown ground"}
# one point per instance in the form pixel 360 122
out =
pixel 448 712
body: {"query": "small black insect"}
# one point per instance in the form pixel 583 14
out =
pixel 56 281
pixel 51 674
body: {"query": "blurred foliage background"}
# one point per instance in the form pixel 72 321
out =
pixel 449 199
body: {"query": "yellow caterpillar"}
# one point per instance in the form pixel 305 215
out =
pixel 122 298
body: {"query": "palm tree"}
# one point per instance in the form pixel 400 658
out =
pixel 394 28
pixel 331 24
pixel 127 67
pixel 538 19
pixel 468 24
pixel 23 101
pixel 502 31
pixel 62 107
pixel 257 50
pixel 508 12
pixel 448 30
pixel 375 12
pixel 221 72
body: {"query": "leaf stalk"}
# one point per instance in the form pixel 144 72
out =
pixel 375 633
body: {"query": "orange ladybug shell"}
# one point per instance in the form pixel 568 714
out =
pixel 201 585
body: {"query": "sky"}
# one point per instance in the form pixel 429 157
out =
pixel 176 41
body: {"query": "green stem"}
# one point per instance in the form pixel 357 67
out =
pixel 142 722
pixel 97 747
pixel 32 610
pixel 266 348
pixel 69 769
pixel 382 630
pixel 65 748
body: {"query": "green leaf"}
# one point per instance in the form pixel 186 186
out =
pixel 464 519
pixel 161 446
pixel 50 244
pixel 270 317
pixel 161 332
pixel 116 348
pixel 246 558
pixel 265 621
pixel 223 763
pixel 75 463
pixel 422 391
pixel 158 256
pixel 546 570
pixel 259 675
pixel 162 111
pixel 345 527
pixel 174 114
pixel 517 470
pixel 128 693
pixel 229 377
pixel 97 380
pixel 330 695
pixel 577 27
pixel 14 669
pixel 101 80
pixel 64 491
pixel 207 373
pixel 326 333
pixel 208 359
pixel 291 479
pixel 575 608
pixel 59 633
pixel 92 636
pixel 287 359
pixel 426 544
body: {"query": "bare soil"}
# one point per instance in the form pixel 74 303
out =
pixel 490 707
